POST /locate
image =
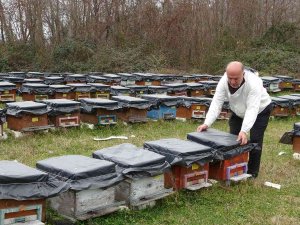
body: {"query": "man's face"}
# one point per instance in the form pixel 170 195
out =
pixel 235 78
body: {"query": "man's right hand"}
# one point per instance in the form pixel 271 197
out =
pixel 202 127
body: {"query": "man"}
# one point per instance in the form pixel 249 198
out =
pixel 250 105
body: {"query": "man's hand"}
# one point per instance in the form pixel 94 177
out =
pixel 202 127
pixel 242 137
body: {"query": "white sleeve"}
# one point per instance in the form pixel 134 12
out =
pixel 217 103
pixel 253 103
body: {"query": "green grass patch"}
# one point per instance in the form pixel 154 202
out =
pixel 246 203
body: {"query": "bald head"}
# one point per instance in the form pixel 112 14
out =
pixel 235 73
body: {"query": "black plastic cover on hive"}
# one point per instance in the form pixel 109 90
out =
pixel 59 88
pixel 61 106
pixel 189 101
pixel 88 105
pixel 133 161
pixel 225 143
pixel 157 100
pixel 53 80
pixel 26 107
pixel 99 87
pixel 95 79
pixel 7 86
pixel 80 171
pixel 181 152
pixel 131 102
pixel 282 102
pixel 20 182
pixel 79 87
pixel 33 88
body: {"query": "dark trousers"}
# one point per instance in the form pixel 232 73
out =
pixel 256 136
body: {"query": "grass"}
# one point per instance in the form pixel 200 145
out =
pixel 246 203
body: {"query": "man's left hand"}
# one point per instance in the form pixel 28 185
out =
pixel 242 138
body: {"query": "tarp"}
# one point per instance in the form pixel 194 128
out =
pixel 112 77
pixel 95 73
pixel 202 76
pixel 99 87
pixel 81 172
pixel 134 162
pixel 284 78
pixel 33 81
pixel 2 116
pixel 61 106
pixel 208 84
pixel 225 143
pixel 76 78
pixel 157 100
pixel 20 182
pixel 157 89
pixel 176 87
pixel 80 87
pixel 143 77
pixel 296 81
pixel 188 77
pixel 181 152
pixel 53 80
pixel 267 80
pixel 35 75
pixel 162 77
pixel 280 102
pixel 14 79
pixel 47 74
pixel 293 100
pixel 127 76
pixel 60 89
pixel 7 86
pixel 95 79
pixel 26 107
pixel 137 88
pixel 195 86
pixel 119 90
pixel 131 102
pixel 287 137
pixel 34 88
pixel 89 105
pixel 17 74
pixel 216 77
pixel 189 101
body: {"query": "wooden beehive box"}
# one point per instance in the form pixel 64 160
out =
pixel 99 111
pixel 181 177
pixel 92 191
pixel 226 169
pixel 24 212
pixel 25 121
pixel 7 92
pixel 132 109
pixel 34 91
pixel 60 92
pixel 82 205
pixel 193 108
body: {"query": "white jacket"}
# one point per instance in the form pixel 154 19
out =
pixel 247 102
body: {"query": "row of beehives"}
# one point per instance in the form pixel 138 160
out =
pixel 133 84
pixel 110 79
pixel 280 82
pixel 31 116
pixel 80 187
pixel 124 79
pixel 76 91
